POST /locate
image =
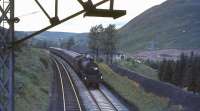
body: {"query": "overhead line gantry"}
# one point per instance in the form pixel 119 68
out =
pixel 8 40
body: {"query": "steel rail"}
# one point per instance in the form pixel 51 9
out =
pixel 94 100
pixel 108 99
pixel 61 81
pixel 72 84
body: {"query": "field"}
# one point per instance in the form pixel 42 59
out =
pixel 32 80
pixel 132 92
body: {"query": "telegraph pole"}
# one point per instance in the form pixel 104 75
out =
pixel 6 55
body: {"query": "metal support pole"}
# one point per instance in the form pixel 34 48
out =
pixel 6 55
pixel 111 4
pixel 56 8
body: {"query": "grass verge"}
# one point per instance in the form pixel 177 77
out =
pixel 140 68
pixel 133 93
pixel 32 80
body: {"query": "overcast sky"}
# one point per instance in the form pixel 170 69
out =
pixel 32 18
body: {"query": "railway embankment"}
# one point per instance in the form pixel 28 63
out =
pixel 135 94
pixel 175 95
pixel 32 79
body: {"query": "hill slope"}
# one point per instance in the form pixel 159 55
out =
pixel 55 38
pixel 173 24
pixel 59 36
pixel 81 39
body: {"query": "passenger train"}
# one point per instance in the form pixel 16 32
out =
pixel 83 65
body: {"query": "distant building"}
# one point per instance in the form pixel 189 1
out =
pixel 119 56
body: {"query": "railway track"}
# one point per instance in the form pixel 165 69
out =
pixel 70 99
pixel 93 100
pixel 103 103
pixel 99 99
pixel 105 100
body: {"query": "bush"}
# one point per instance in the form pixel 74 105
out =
pixel 152 64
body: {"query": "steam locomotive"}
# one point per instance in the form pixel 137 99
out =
pixel 83 65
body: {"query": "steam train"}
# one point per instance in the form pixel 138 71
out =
pixel 83 65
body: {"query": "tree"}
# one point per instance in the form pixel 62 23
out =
pixel 162 69
pixel 41 44
pixel 153 64
pixel 103 40
pixel 184 72
pixel 95 35
pixel 194 84
pixel 109 41
pixel 68 44
pixel 180 69
pixel 168 71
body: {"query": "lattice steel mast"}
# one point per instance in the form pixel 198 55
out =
pixel 6 55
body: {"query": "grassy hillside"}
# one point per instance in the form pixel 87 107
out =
pixel 173 24
pixel 135 94
pixel 140 68
pixel 32 80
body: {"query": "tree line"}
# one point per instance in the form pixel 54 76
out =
pixel 68 44
pixel 184 72
pixel 64 43
pixel 103 41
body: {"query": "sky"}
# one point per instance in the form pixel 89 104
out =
pixel 32 18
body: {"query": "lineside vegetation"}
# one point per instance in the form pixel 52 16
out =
pixel 132 92
pixel 32 80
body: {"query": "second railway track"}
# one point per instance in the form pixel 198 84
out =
pixel 103 103
pixel 70 97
